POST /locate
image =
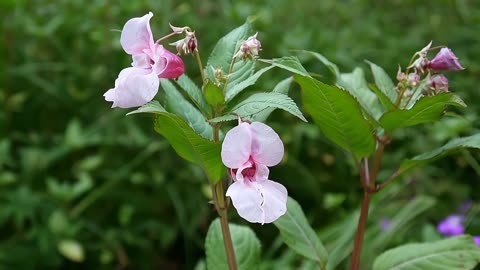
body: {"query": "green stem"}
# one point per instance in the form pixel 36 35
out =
pixel 230 70
pixel 222 210
pixel 200 66
pixel 166 37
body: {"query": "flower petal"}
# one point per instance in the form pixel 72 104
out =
pixel 236 146
pixel 274 200
pixel 267 148
pixel 134 87
pixel 137 35
pixel 247 199
pixel 166 64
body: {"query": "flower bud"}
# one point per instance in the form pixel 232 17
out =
pixel 445 60
pixel 400 75
pixel 421 63
pixel 413 79
pixel 188 44
pixel 249 48
pixel 438 83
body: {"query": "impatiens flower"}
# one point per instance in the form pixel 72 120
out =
pixel 137 85
pixel 476 240
pixel 438 83
pixel 421 62
pixel 249 48
pixel 248 150
pixel 451 226
pixel 188 44
pixel 445 60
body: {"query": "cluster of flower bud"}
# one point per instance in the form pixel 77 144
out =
pixel 186 45
pixel 433 82
pixel 249 48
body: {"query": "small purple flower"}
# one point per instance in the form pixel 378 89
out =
pixel 385 224
pixel 445 60
pixel 476 239
pixel 452 225
pixel 438 83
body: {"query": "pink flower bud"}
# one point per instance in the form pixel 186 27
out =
pixel 188 44
pixel 400 74
pixel 249 48
pixel 413 79
pixel 445 60
pixel 438 83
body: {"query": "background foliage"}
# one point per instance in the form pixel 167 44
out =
pixel 83 186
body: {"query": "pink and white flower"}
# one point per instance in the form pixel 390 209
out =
pixel 137 85
pixel 248 150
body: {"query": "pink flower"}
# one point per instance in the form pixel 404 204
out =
pixel 476 240
pixel 249 48
pixel 438 83
pixel 451 226
pixel 137 85
pixel 445 60
pixel 248 150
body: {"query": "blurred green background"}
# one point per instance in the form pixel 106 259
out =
pixel 82 186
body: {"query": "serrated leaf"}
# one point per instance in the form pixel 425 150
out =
pixel 189 145
pixel 237 88
pixel 289 63
pixel 356 85
pixel 213 94
pixel 426 109
pixel 194 92
pixel 282 87
pixel 338 115
pixel 260 101
pixel 223 118
pixel 298 235
pixel 151 107
pixel 383 81
pixel 456 253
pixel 177 104
pixel 454 145
pixel 222 55
pixel 245 244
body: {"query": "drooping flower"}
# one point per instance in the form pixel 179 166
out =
pixel 438 83
pixel 248 150
pixel 137 85
pixel 445 60
pixel 249 48
pixel 186 45
pixel 421 62
pixel 451 225
pixel 476 240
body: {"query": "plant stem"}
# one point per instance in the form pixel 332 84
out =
pixel 166 37
pixel 221 207
pixel 362 221
pixel 200 66
pixel 230 70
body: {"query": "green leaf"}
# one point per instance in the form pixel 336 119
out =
pixel 237 88
pixel 331 66
pixel 383 81
pixel 177 104
pixel 454 145
pixel 338 115
pixel 456 253
pixel 298 234
pixel 222 55
pixel 213 94
pixel 338 240
pixel 426 109
pixel 191 146
pixel 260 101
pixel 194 93
pixel 151 107
pixel 289 63
pixel 356 85
pixel 282 87
pixel 72 250
pixel 401 220
pixel 245 244
pixel 382 97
